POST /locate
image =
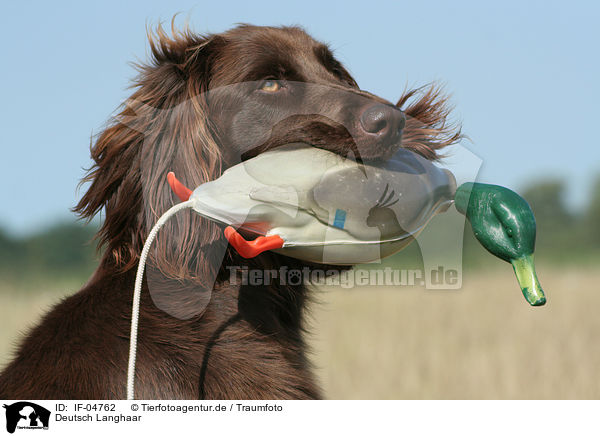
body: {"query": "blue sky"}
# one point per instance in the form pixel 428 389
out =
pixel 523 76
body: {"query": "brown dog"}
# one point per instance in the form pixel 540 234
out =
pixel 202 104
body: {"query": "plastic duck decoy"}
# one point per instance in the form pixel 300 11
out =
pixel 504 224
pixel 317 206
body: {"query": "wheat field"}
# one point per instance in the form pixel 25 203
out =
pixel 481 342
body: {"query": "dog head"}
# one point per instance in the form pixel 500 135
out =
pixel 204 103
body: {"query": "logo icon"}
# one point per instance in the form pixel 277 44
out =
pixel 26 415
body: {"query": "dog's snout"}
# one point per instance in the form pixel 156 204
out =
pixel 382 120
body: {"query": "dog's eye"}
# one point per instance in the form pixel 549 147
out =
pixel 270 86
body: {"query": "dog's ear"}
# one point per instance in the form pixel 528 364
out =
pixel 164 126
pixel 427 127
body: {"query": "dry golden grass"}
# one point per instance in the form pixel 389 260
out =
pixel 483 341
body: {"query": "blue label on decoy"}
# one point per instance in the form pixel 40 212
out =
pixel 340 218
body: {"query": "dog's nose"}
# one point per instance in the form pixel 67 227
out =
pixel 384 121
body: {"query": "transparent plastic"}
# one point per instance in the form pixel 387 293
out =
pixel 327 208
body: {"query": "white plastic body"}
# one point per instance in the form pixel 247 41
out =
pixel 327 208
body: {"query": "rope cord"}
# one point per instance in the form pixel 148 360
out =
pixel 135 310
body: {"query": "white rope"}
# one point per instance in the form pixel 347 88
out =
pixel 135 310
